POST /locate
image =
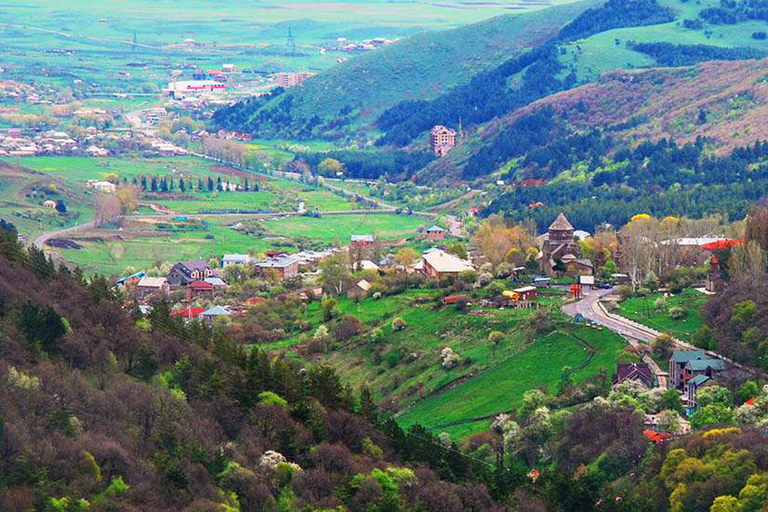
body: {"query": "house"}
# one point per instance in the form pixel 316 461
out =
pixel 359 290
pixel 524 293
pixel 151 286
pixel 215 312
pixel 443 140
pixel 435 233
pixel 361 241
pixel 188 313
pixel 50 204
pixel 439 264
pixel 199 289
pixel 714 282
pixel 560 250
pixel 104 187
pixel 367 265
pixel 285 266
pixel 186 272
pixel 453 299
pixel 217 282
pixel 639 372
pixel 680 369
pixel 697 373
pixel 235 259
pixel 651 422
pixel 97 151
pixel 131 280
pixel 542 282
pixel 692 387
pixel 657 438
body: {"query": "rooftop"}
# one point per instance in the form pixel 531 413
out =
pixel 561 224
pixel 683 356
pixel 442 261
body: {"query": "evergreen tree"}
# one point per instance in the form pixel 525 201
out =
pixel 153 186
pixel 182 186
pixel 210 184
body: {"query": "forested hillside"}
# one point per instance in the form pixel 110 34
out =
pixel 339 101
pixel 104 409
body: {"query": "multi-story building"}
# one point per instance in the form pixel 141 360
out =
pixel 443 140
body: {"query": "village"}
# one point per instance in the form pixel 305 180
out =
pixel 211 292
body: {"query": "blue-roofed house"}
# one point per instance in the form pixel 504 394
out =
pixel 131 280
pixel 235 259
pixel 692 387
pixel 209 315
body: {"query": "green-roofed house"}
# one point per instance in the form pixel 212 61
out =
pixel 691 388
pixel 702 364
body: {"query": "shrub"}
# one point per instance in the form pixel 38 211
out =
pixel 398 324
pixel 393 358
pixel 625 292
pixel 347 327
pixel 676 313
pixel 659 304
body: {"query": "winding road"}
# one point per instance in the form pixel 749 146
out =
pixel 590 308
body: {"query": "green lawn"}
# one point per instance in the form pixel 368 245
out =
pixel 86 168
pixel 501 388
pixel 642 310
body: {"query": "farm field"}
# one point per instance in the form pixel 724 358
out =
pixel 329 228
pixel 501 387
pixel 642 310
pixel 139 249
pixel 23 206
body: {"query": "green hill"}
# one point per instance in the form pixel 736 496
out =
pixel 424 66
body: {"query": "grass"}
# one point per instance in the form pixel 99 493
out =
pixel 83 168
pixel 328 229
pixel 642 310
pixel 501 388
pixel 606 51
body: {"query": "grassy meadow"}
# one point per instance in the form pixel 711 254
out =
pixel 642 310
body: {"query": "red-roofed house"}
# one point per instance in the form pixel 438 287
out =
pixel 188 313
pixel 656 437
pixel 722 244
pixel 199 289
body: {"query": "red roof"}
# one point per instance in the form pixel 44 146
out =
pixel 655 437
pixel 751 401
pixel 453 299
pixel 201 286
pixel 254 300
pixel 722 244
pixel 189 312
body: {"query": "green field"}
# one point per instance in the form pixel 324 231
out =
pixel 641 309
pixel 56 41
pixel 607 51
pixel 141 251
pixel 329 228
pixel 85 168
pixel 501 388
pixel 405 366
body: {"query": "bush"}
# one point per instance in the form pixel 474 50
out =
pixel 660 304
pixel 398 324
pixel 676 313
pixel 393 358
pixel 626 292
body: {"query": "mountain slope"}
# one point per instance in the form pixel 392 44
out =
pixel 420 67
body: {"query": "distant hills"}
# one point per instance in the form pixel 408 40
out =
pixel 355 92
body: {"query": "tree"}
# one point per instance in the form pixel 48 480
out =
pixel 61 207
pixel 496 337
pixel 127 196
pixel 335 273
pixel 501 243
pixel 458 249
pixel 662 345
pixel 747 391
pixel 712 414
pixel 405 257
pixel 714 395
pixel 107 209
pixel 747 261
pixel 330 167
pixel 670 400
pixel 756 229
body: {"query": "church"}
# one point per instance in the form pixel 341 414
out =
pixel 560 250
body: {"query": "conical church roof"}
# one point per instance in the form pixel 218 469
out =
pixel 561 224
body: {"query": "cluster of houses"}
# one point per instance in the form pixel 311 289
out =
pixel 689 372
pixel 344 44
pixel 20 143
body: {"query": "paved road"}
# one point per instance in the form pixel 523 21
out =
pixel 40 240
pixel 590 309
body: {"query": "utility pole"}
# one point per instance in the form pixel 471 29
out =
pixel 133 46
